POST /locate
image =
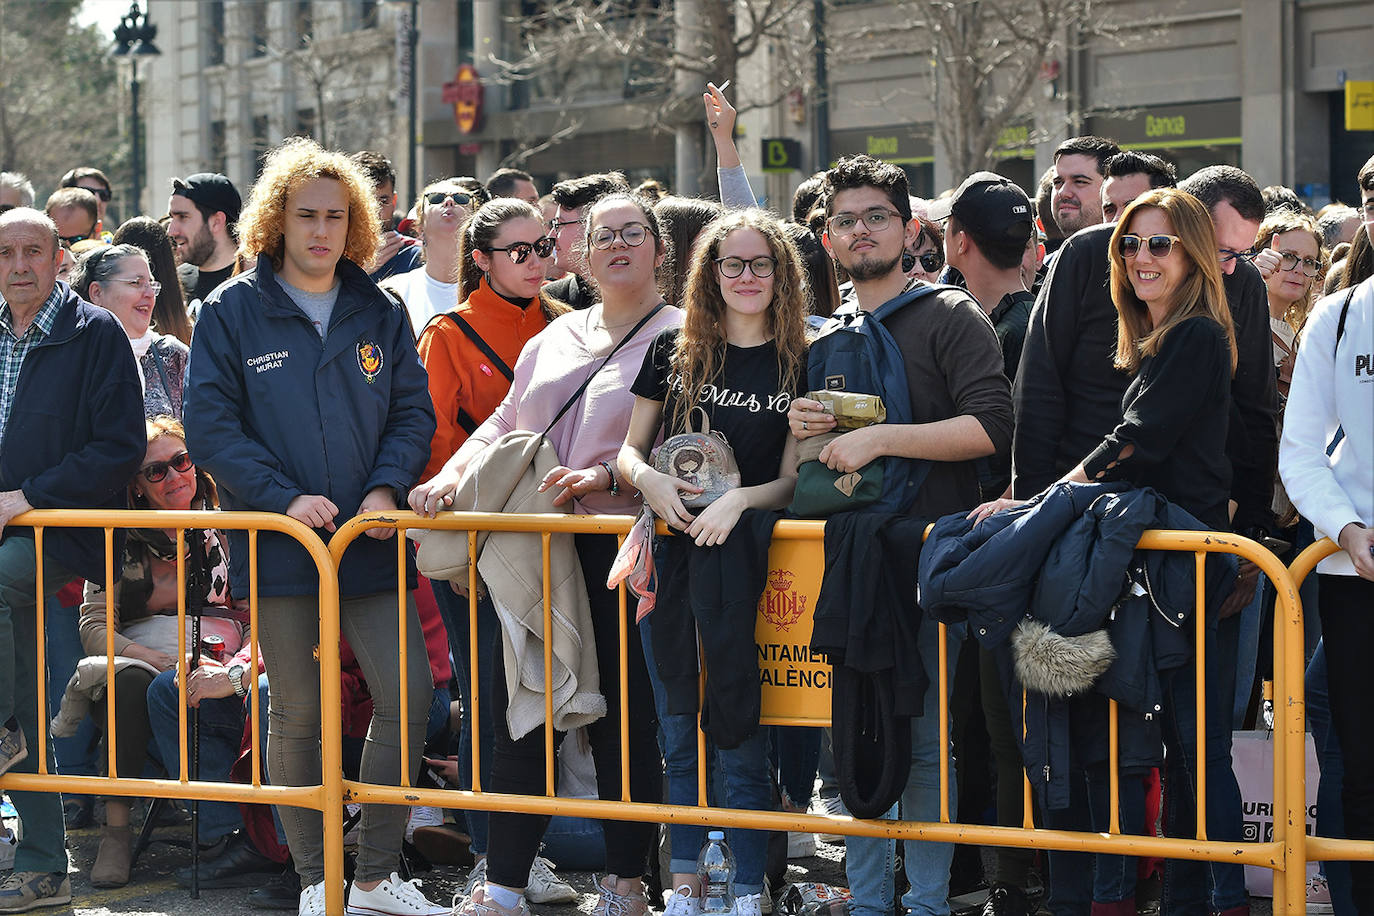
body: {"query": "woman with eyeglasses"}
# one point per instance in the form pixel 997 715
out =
pixel 433 288
pixel 468 348
pixel 742 336
pixel 118 278
pixel 144 607
pixel 602 347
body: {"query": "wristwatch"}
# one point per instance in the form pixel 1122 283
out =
pixel 236 680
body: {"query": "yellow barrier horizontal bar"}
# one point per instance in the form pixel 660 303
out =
pixel 134 787
pixel 1265 855
pixel 1327 849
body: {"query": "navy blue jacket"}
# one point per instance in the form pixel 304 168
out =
pixel 75 434
pixel 273 412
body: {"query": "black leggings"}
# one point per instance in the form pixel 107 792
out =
pixel 518 766
pixel 1346 604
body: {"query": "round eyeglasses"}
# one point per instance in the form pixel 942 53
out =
pixel 632 234
pixel 1290 261
pixel 761 267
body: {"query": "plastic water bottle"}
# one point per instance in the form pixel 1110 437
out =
pixel 716 869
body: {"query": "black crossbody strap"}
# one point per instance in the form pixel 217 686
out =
pixel 1345 313
pixel 609 356
pixel 482 345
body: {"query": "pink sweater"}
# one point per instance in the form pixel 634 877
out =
pixel 551 367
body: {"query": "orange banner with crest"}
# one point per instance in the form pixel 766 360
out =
pixel 795 684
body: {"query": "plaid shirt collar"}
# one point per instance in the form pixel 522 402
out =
pixel 44 320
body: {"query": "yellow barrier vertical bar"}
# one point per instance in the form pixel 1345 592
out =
pixel 331 737
pixel 255 735
pixel 1027 796
pixel 943 707
pixel 1290 886
pixel 183 666
pixel 549 789
pixel 404 662
pixel 40 652
pixel 110 737
pixel 701 735
pixel 1113 769
pixel 472 664
pixel 624 628
pixel 1200 751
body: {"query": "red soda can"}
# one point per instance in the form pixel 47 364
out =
pixel 212 647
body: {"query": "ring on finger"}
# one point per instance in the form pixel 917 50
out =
pixel 804 426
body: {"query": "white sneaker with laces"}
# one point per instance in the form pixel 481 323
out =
pixel 682 903
pixel 312 901
pixel 832 806
pixel 749 905
pixel 546 887
pixel 801 845
pixel 422 816
pixel 476 878
pixel 393 897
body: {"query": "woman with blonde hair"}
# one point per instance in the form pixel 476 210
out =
pixel 308 399
pixel 739 358
pixel 1294 284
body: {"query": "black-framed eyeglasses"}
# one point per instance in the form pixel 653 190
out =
pixel 1290 261
pixel 761 267
pixel 103 193
pixel 1226 255
pixel 156 472
pixel 876 219
pixel 556 224
pixel 519 252
pixel 458 197
pixel 1159 246
pixel 632 234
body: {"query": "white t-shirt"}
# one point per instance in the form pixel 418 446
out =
pixel 423 295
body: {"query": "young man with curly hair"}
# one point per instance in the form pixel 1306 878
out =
pixel 306 397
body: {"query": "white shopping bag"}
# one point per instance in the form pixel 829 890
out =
pixel 1252 756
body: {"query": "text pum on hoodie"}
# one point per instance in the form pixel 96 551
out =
pixel 266 361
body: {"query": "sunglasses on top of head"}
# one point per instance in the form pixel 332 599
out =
pixel 1159 246
pixel 157 471
pixel 519 252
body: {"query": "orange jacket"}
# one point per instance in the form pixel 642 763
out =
pixel 461 376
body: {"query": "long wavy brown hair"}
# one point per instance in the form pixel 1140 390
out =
pixel 1202 292
pixel 289 166
pixel 1280 222
pixel 700 350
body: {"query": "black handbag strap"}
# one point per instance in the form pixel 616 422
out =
pixel 609 356
pixel 482 345
pixel 1345 313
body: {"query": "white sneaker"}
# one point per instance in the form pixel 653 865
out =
pixel 801 845
pixel 681 903
pixel 749 905
pixel 422 816
pixel 476 878
pixel 312 901
pixel 393 897
pixel 832 806
pixel 546 887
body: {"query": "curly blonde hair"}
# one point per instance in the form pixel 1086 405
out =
pixel 288 167
pixel 700 353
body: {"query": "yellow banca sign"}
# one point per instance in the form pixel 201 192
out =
pixel 794 683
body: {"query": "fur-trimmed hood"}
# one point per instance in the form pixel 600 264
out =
pixel 1059 666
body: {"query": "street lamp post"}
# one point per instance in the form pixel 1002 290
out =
pixel 134 39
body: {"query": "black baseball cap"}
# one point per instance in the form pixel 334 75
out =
pixel 990 206
pixel 211 191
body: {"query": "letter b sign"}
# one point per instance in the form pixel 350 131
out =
pixel 781 154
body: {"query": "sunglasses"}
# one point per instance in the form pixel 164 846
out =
pixel 632 234
pixel 458 197
pixel 103 193
pixel 1159 245
pixel 519 252
pixel 1226 255
pixel 761 267
pixel 157 471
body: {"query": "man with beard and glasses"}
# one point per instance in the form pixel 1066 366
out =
pixel 960 412
pixel 204 211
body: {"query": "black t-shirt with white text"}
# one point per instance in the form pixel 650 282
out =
pixel 746 403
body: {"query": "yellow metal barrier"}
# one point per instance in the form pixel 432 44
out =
pixel 327 797
pixel 1320 848
pixel 1284 854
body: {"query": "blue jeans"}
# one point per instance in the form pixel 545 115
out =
pixel 75 755
pixel 869 860
pixel 454 609
pixel 795 756
pixel 575 844
pixel 221 736
pixel 1203 887
pixel 1248 622
pixel 1330 816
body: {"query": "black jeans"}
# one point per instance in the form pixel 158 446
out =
pixel 518 766
pixel 1346 604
